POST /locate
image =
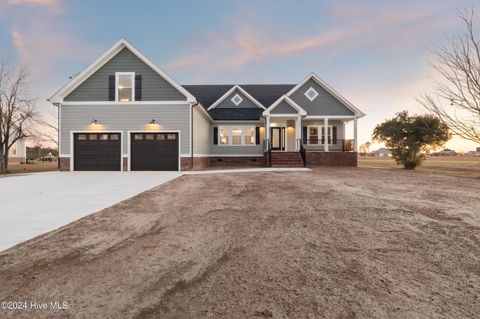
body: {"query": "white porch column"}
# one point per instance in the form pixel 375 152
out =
pixel 355 135
pixel 267 127
pixel 298 133
pixel 325 133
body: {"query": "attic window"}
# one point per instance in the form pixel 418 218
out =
pixel 125 86
pixel 311 94
pixel 237 99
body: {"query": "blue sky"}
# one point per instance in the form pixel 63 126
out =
pixel 375 53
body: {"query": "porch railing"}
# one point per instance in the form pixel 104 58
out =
pixel 303 152
pixel 334 145
pixel 267 152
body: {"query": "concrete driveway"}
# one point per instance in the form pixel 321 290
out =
pixel 36 203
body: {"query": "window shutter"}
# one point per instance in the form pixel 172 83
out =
pixel 111 87
pixel 304 134
pixel 334 134
pixel 257 135
pixel 215 135
pixel 138 87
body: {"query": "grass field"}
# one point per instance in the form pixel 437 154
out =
pixel 32 168
pixel 449 166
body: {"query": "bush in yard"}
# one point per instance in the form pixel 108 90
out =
pixel 408 136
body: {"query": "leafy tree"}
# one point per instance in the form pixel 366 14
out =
pixel 410 136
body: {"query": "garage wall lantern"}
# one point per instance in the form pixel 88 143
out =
pixel 94 121
pixel 152 121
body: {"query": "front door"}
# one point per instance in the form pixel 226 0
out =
pixel 277 138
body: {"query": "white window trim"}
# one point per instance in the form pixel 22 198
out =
pixel 234 97
pixel 230 128
pixel 117 74
pixel 320 134
pixel 314 91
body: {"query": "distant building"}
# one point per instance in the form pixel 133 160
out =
pixel 478 149
pixel 445 152
pixel 382 152
pixel 473 153
pixel 18 152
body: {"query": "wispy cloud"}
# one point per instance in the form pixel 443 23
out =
pixel 247 44
pixel 38 2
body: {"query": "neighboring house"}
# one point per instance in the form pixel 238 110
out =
pixel 382 152
pixel 18 152
pixel 124 113
pixel 473 153
pixel 445 152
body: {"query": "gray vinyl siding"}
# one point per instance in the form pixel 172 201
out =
pixel 202 134
pixel 324 104
pixel 246 103
pixel 283 108
pixel 154 87
pixel 124 118
pixel 237 149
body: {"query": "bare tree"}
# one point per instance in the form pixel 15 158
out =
pixel 17 111
pixel 456 99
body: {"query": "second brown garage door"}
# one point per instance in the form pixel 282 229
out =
pixel 154 151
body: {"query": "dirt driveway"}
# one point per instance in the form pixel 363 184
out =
pixel 334 243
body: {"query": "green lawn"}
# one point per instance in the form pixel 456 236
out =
pixel 449 166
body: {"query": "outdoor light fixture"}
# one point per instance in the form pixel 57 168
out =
pixel 152 121
pixel 94 121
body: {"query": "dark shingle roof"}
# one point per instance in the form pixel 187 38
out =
pixel 266 94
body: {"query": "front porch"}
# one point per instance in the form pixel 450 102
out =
pixel 308 135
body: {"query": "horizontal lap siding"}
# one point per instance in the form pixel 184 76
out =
pixel 228 104
pixel 154 87
pixel 324 104
pixel 124 118
pixel 237 149
pixel 202 134
pixel 283 108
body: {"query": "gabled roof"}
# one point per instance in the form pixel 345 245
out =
pixel 330 90
pixel 104 58
pixel 266 94
pixel 290 102
pixel 233 89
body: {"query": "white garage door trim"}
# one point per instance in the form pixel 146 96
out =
pixel 72 133
pixel 129 135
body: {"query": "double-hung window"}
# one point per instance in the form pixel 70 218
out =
pixel 236 135
pixel 125 86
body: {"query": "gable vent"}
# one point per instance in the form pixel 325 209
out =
pixel 237 99
pixel 311 94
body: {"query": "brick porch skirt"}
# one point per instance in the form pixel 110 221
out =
pixel 331 159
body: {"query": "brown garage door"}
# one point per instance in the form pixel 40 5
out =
pixel 154 151
pixel 96 151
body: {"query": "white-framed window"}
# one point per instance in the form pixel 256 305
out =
pixel 236 135
pixel 316 135
pixel 236 99
pixel 311 94
pixel 124 86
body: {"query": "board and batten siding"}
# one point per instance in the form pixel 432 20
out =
pixel 154 87
pixel 283 108
pixel 231 150
pixel 228 104
pixel 324 104
pixel 125 118
pixel 202 134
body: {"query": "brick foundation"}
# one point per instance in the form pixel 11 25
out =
pixel 331 159
pixel 199 163
pixel 237 160
pixel 125 164
pixel 64 163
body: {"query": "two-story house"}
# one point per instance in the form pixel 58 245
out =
pixel 124 113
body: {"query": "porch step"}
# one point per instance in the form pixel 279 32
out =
pixel 286 159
